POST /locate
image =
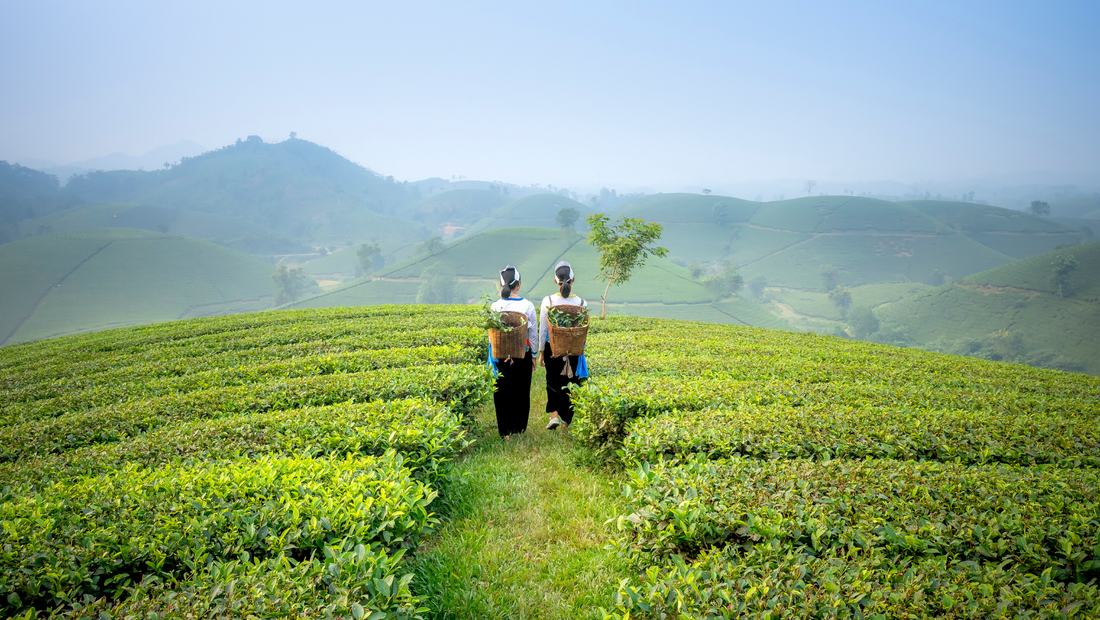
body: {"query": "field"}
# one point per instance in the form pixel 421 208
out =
pixel 1015 298
pixel 268 465
pixel 82 281
pixel 658 289
pixel 341 462
pixel 793 475
pixel 538 210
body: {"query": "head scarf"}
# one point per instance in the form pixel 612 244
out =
pixel 515 281
pixel 560 265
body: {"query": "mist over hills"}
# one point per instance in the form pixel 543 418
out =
pixel 298 204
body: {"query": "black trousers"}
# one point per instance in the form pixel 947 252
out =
pixel 513 395
pixel 557 397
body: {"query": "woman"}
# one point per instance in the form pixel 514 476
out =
pixel 513 388
pixel 558 403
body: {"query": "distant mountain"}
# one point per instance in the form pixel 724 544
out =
pixel 294 187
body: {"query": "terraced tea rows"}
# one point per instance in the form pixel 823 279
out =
pixel 267 465
pixel 792 475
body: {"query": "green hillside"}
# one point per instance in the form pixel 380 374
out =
pixel 867 241
pixel 658 289
pixel 1014 233
pixel 1078 207
pixel 81 281
pixel 458 207
pixel 538 210
pixel 345 463
pixel 1020 299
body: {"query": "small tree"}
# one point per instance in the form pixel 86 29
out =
pixel 722 215
pixel 623 247
pixel 757 286
pixel 841 298
pixel 1062 266
pixel 437 285
pixel 938 278
pixel 725 283
pixel 1009 345
pixel 1087 236
pixel 1038 207
pixel 706 192
pixel 290 284
pixel 863 322
pixel 697 270
pixel 810 185
pixel 163 227
pixel 431 247
pixel 567 217
pixel 829 277
pixel 370 257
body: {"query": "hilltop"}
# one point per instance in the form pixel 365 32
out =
pixel 1012 312
pixel 80 281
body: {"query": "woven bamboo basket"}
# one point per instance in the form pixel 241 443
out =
pixel 512 343
pixel 568 340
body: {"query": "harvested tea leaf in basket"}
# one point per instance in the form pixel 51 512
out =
pixel 568 316
pixel 491 318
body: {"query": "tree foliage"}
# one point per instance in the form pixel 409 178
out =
pixel 370 257
pixel 1038 207
pixel 1062 267
pixel 437 285
pixel 757 286
pixel 722 214
pixel 431 247
pixel 829 277
pixel 725 283
pixel 567 217
pixel 623 247
pixel 841 298
pixel 863 322
pixel 291 284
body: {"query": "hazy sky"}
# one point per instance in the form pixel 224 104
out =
pixel 633 94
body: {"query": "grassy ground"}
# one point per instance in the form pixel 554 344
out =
pixel 523 531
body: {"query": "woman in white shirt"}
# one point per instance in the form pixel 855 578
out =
pixel 558 403
pixel 513 386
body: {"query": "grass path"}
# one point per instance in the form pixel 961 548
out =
pixel 523 530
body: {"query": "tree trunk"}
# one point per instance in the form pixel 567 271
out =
pixel 603 299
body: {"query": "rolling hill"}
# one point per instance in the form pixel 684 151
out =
pixel 456 207
pixel 80 281
pixel 658 289
pixel 1015 299
pixel 538 210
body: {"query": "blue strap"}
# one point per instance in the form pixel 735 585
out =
pixel 492 364
pixel 582 367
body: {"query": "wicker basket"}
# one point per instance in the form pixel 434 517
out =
pixel 568 340
pixel 513 343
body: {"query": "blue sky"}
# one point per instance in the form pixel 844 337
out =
pixel 660 95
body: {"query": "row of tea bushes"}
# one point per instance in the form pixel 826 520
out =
pixel 606 407
pixel 426 433
pixel 1037 519
pixel 963 436
pixel 233 332
pixel 462 385
pixel 136 384
pixel 226 350
pixel 768 582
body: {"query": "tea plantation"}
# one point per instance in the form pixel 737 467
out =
pixel 276 464
pixel 290 464
pixel 793 475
